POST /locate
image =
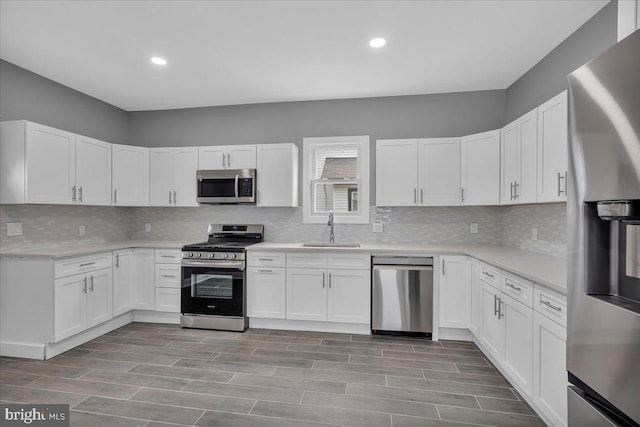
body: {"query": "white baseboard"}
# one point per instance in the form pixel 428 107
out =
pixel 306 325
pixel 454 334
pixel 54 349
pixel 156 317
pixel 20 349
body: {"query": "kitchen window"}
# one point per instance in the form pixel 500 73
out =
pixel 336 177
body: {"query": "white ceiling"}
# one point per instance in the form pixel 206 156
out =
pixel 241 52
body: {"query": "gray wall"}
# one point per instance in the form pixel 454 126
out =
pixel 29 96
pixel 549 76
pixel 434 115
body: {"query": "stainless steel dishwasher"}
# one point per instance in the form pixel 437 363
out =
pixel 402 296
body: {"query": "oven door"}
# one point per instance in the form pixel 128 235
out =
pixel 209 290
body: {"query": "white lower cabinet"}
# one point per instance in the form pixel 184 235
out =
pixel 167 280
pixel 122 281
pixel 349 296
pixel 143 289
pixel 167 300
pixel 455 292
pixel 476 298
pixel 492 331
pixel 306 294
pixel 518 342
pixel 266 292
pixel 550 369
pixel 81 302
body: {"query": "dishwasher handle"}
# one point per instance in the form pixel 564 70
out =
pixel 404 267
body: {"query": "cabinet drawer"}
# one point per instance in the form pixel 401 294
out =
pixel 353 261
pixel 266 259
pixel 517 288
pixel 167 276
pixel 168 300
pixel 490 275
pixel 306 260
pixel 168 256
pixel 550 304
pixel 71 266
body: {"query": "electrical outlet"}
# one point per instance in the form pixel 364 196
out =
pixel 147 227
pixel 377 226
pixel 14 229
pixel 534 233
pixel 82 230
pixel 474 228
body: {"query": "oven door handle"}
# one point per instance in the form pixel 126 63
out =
pixel 238 265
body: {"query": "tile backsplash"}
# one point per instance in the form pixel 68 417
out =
pixel 46 225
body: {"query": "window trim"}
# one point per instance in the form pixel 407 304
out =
pixel 362 142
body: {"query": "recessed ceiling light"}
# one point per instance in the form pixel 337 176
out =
pixel 377 42
pixel 159 61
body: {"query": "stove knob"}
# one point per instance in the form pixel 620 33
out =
pixel 232 256
pixel 225 256
pixel 189 254
pixel 210 255
pixel 198 254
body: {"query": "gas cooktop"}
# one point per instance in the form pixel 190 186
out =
pixel 228 238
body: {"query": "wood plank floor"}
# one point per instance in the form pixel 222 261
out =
pixel 157 375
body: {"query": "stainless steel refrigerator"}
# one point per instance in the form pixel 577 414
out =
pixel 603 330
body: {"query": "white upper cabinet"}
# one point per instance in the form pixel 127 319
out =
pixel 227 157
pixel 93 171
pixel 628 17
pixel 439 171
pixel 277 173
pixel 172 173
pixel 397 172
pixel 480 168
pixel 41 164
pixel 518 162
pixel 552 149
pixel 130 175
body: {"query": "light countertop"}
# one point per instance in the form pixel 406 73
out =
pixel 546 270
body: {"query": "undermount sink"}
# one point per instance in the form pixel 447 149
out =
pixel 330 245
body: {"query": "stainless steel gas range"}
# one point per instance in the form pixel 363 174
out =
pixel 214 285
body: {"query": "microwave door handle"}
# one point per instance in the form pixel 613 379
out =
pixel 237 176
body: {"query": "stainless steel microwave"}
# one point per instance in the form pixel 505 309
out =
pixel 232 186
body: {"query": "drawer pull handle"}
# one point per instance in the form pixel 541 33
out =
pixel 86 264
pixel 514 287
pixel 167 256
pixel 265 271
pixel 265 259
pixel 488 274
pixel 167 276
pixel 551 306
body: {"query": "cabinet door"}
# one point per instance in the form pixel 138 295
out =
pixel 306 294
pixel 266 292
pixel 161 177
pixel 509 164
pixel 211 157
pixel 130 175
pixel 185 167
pixel 552 149
pixel 527 127
pixel 349 296
pixel 99 297
pixel 93 171
pixel 397 172
pixel 167 300
pixel 550 369
pixel 50 159
pixel 518 343
pixel 439 171
pixel 143 289
pixel 69 306
pixel 492 334
pixel 480 168
pixel 476 299
pixel 122 281
pixel 241 157
pixel 455 292
pixel 277 175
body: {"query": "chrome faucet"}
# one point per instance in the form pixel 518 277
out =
pixel 332 236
